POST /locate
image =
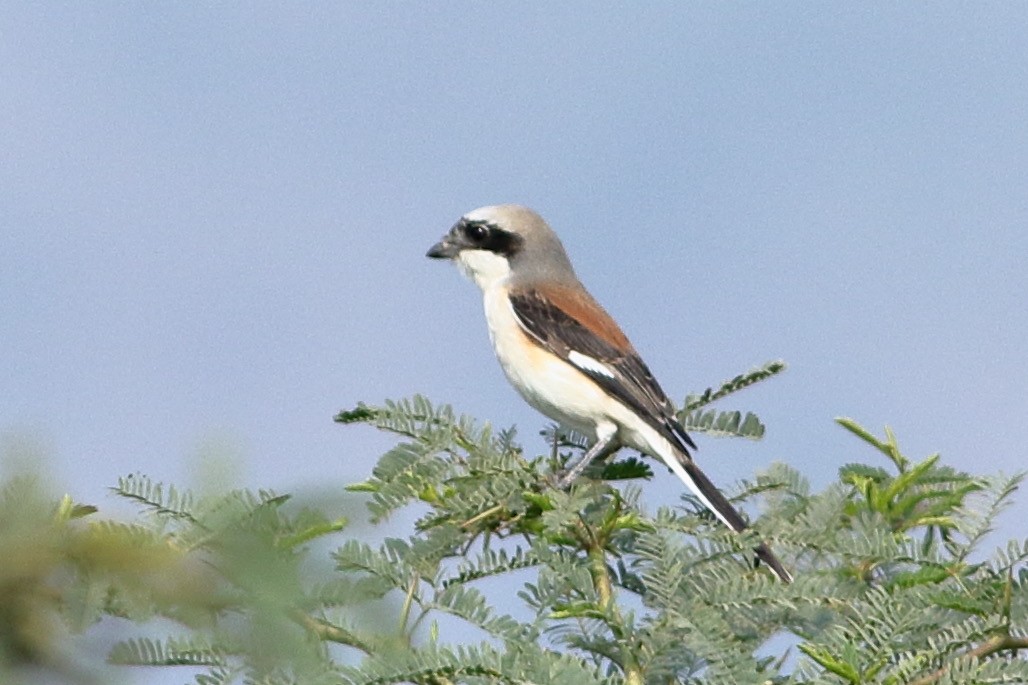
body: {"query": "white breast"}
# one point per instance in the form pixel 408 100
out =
pixel 548 383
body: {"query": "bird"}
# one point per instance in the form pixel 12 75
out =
pixel 567 357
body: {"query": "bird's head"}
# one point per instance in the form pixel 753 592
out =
pixel 494 244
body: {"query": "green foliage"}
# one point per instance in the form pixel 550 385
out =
pixel 728 423
pixel 503 578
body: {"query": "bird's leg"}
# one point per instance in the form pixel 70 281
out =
pixel 602 447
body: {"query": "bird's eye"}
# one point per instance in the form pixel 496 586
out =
pixel 476 232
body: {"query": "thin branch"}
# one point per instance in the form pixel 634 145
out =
pixel 481 515
pixel 1001 643
pixel 408 601
pixel 605 589
pixel 331 632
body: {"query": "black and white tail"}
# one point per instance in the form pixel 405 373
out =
pixel 690 474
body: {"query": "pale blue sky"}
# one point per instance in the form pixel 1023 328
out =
pixel 213 220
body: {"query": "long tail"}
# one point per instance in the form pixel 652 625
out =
pixel 690 474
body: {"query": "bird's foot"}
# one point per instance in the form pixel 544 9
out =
pixel 599 449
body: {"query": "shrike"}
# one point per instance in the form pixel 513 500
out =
pixel 566 356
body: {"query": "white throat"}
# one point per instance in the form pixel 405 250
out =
pixel 485 268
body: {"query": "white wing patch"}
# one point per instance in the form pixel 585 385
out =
pixel 587 363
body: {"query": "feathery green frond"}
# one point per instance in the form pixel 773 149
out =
pixel 740 382
pixel 164 501
pixel 724 424
pixel 497 576
pixel 170 652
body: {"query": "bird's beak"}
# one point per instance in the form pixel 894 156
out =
pixel 444 249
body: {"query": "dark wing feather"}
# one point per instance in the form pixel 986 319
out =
pixel 630 382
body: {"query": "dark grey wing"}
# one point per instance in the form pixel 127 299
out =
pixel 616 369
